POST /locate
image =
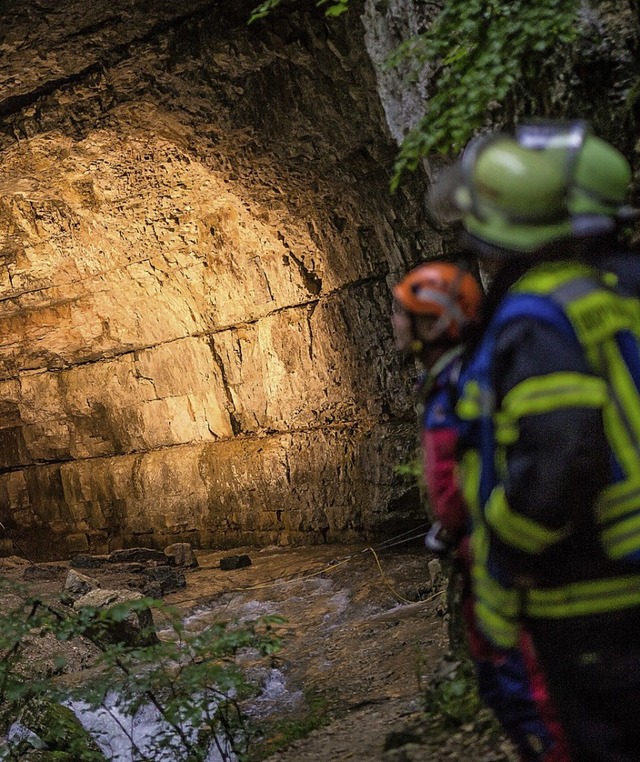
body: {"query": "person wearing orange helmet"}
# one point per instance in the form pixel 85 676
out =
pixel 434 305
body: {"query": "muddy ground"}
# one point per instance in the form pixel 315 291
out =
pixel 366 633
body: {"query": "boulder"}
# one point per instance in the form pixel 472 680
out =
pixel 169 579
pixel 76 585
pixel 138 555
pixel 52 731
pixel 136 630
pixel 234 562
pixel 181 554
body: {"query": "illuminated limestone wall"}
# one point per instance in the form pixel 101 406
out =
pixel 196 246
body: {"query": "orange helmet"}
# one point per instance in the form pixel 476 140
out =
pixel 443 290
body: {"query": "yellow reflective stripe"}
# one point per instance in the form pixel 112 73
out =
pixel 468 409
pixel 517 530
pixel 502 599
pixel 474 402
pixel 506 431
pixel 618 499
pixel 543 394
pixel 621 414
pixel 583 598
pixel 550 275
pixel 624 388
pixel 498 598
pixel 501 632
pixel 621 529
pixel 601 314
pixel 469 470
pixel 497 608
pixel 619 439
pixel 623 538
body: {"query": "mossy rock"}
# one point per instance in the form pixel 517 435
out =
pixel 61 731
pixel 453 692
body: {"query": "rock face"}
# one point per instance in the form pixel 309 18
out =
pixel 403 88
pixel 196 247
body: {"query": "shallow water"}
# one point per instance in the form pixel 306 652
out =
pixel 124 738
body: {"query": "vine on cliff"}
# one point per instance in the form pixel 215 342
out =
pixel 479 51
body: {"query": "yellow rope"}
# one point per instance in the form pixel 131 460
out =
pixel 386 581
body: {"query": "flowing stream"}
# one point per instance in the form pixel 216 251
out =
pixel 119 735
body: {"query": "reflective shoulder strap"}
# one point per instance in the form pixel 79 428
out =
pixel 599 313
pixel 577 288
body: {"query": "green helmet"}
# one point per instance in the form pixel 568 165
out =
pixel 601 180
pixel 598 174
pixel 511 197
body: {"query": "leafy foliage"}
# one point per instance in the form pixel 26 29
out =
pixel 412 469
pixel 481 49
pixel 190 679
pixel 277 735
pixel 412 473
pixel 452 694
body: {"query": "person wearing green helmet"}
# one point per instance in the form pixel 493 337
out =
pixel 502 209
pixel 549 399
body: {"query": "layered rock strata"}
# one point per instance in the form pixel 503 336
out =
pixel 196 246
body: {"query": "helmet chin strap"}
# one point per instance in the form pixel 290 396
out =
pixel 440 327
pixel 486 278
pixel 451 310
